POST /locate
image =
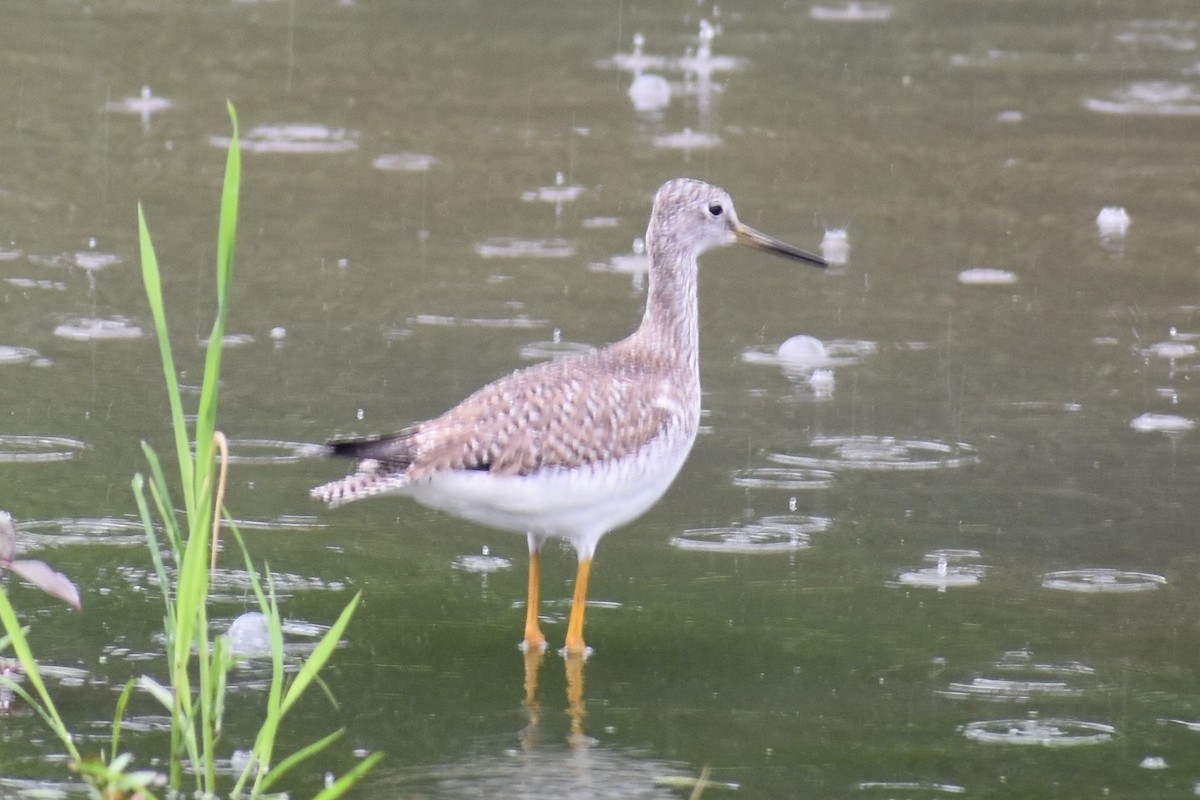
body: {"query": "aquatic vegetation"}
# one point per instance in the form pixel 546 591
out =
pixel 197 664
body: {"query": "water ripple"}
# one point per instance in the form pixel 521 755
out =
pixel 881 453
pixel 1048 732
pixel 404 162
pixel 67 531
pixel 481 564
pixel 11 354
pixel 511 247
pixel 292 138
pixel 1106 581
pixel 16 448
pixel 88 329
pixel 271 451
pixel 781 478
pixel 780 534
pixel 1150 98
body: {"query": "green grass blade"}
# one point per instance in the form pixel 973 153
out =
pixel 227 229
pixel 119 715
pixel 139 496
pixel 320 655
pixel 162 499
pixel 298 757
pixel 20 645
pixel 152 280
pixel 344 783
pixel 156 690
pixel 206 418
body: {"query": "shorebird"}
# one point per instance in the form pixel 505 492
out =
pixel 576 447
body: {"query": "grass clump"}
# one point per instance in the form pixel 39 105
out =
pixel 183 555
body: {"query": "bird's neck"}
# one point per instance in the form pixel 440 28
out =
pixel 670 324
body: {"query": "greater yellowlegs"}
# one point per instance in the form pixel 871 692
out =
pixel 576 447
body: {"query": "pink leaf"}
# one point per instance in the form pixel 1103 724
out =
pixel 44 577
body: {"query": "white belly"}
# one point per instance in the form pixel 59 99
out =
pixel 579 505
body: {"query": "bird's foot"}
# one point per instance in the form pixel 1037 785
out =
pixel 537 645
pixel 580 651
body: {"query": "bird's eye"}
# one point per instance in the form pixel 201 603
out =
pixel 715 209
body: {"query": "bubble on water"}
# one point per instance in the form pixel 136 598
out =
pixel 1048 732
pixel 1113 223
pixel 249 635
pixel 802 354
pixel 650 93
pixel 1153 762
pixel 1102 581
pixel 1011 116
pixel 986 276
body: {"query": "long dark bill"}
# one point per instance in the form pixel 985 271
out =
pixel 744 234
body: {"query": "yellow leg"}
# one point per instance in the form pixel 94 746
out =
pixel 534 640
pixel 575 645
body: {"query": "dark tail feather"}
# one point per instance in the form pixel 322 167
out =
pixel 394 449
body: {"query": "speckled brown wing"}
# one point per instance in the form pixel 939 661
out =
pixel 565 413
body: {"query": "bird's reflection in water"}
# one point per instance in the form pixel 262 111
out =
pixel 576 710
pixel 582 766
